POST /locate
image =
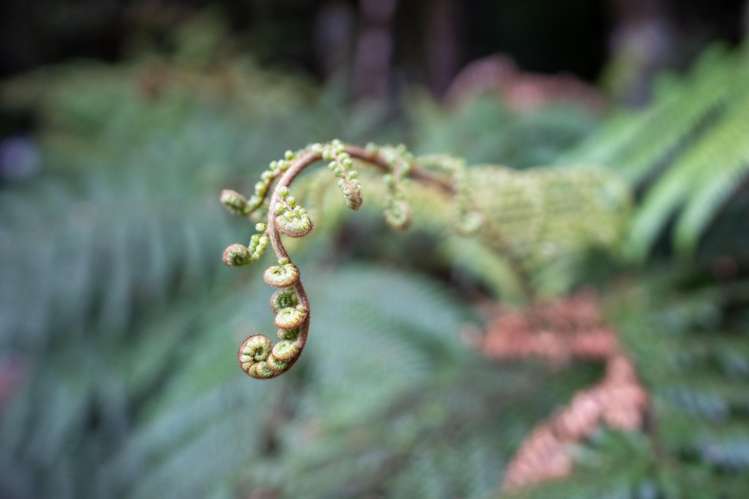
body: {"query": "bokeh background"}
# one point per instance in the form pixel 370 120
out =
pixel 120 122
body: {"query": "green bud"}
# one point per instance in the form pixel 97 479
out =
pixel 255 348
pixel 234 202
pixel 286 350
pixel 284 297
pixel 398 215
pixel 260 370
pixel 295 223
pixel 291 317
pixel 281 276
pixel 276 365
pixel 236 255
pixel 288 334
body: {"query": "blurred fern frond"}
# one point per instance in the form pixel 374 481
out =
pixel 686 152
pixel 360 429
pixel 345 419
pixel 535 222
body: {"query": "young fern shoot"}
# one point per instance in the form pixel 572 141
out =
pixel 258 356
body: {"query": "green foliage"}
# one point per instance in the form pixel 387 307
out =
pixel 699 337
pixel 686 152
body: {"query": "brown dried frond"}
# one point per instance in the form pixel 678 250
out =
pixel 558 332
pixel 618 401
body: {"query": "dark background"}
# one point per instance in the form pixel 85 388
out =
pixel 574 36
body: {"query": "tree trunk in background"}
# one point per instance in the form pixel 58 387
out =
pixel 441 45
pixel 334 35
pixel 642 43
pixel 374 49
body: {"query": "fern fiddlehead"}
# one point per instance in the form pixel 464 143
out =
pixel 258 356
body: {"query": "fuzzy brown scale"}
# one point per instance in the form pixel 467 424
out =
pixel 257 355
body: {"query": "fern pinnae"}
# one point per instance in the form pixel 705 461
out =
pixel 716 184
pixel 691 174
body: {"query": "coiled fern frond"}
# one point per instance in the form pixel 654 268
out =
pixel 258 357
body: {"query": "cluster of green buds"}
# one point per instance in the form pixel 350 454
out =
pixel 258 241
pixel 291 218
pixel 262 186
pixel 234 202
pixel 397 210
pixel 238 254
pixel 342 166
